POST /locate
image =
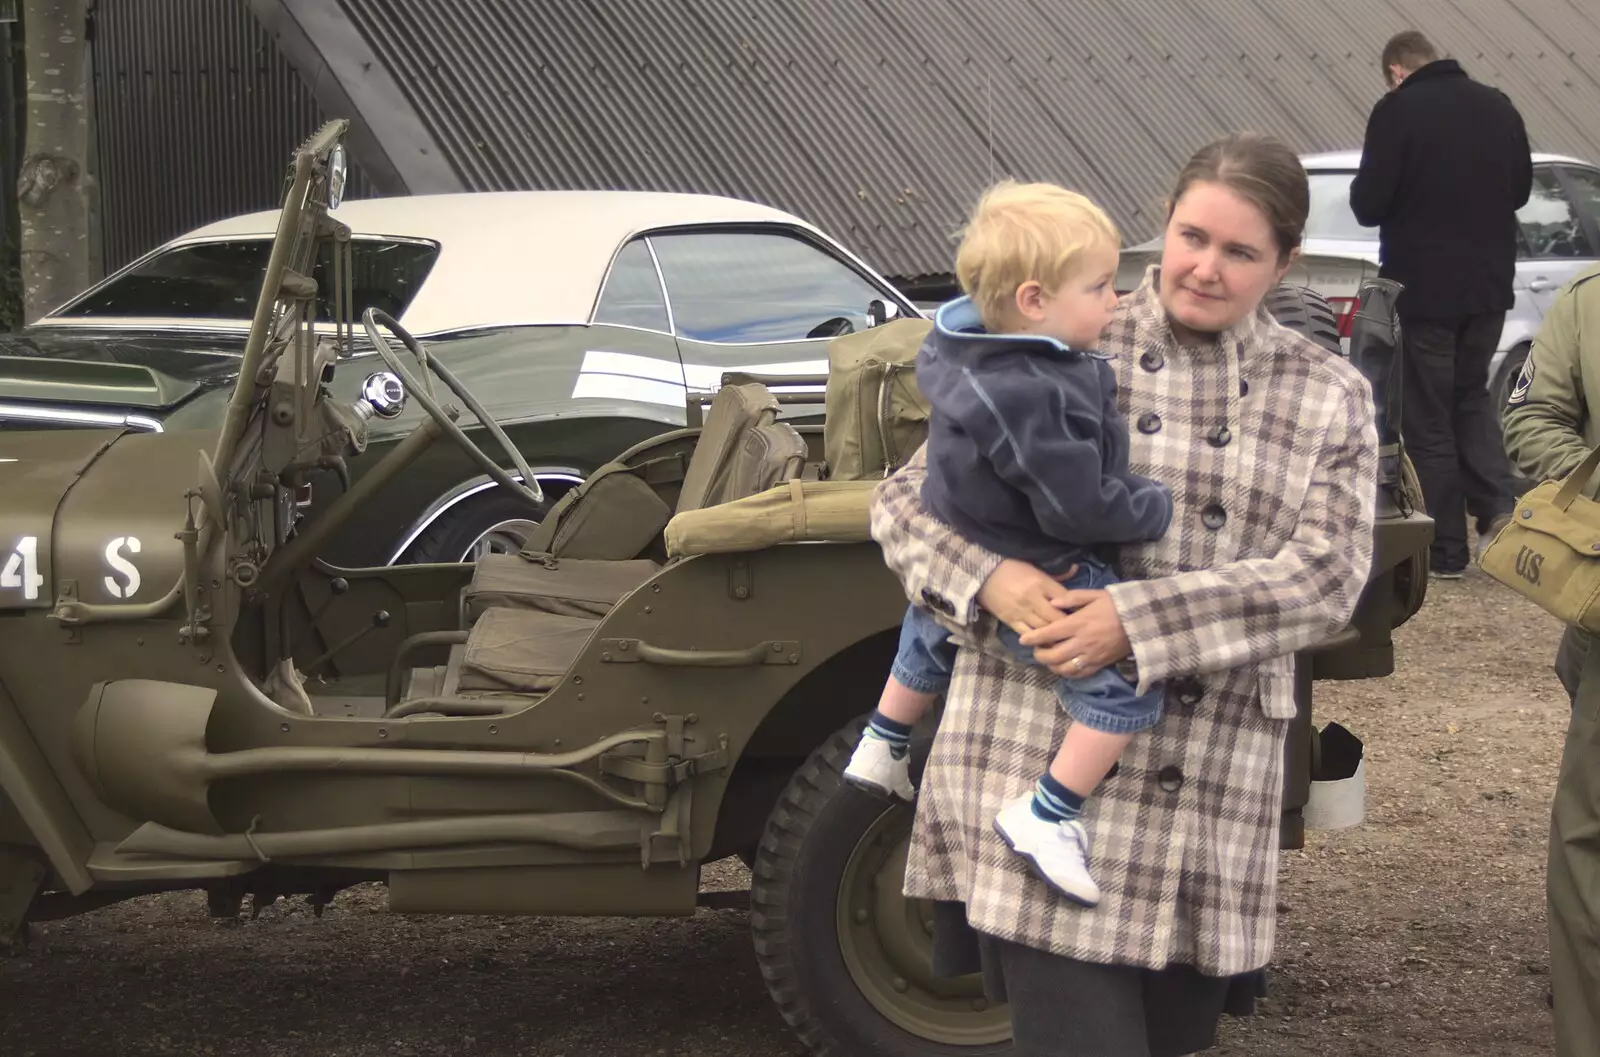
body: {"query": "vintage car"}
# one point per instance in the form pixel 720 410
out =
pixel 581 318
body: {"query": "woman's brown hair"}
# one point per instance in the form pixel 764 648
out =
pixel 1262 170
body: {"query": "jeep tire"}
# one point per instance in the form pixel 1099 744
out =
pixel 845 955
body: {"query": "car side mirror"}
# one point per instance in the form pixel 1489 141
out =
pixel 880 312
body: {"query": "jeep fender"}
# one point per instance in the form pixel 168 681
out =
pixel 28 782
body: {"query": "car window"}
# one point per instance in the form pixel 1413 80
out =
pixel 1330 216
pixel 741 286
pixel 221 280
pixel 632 295
pixel 1586 190
pixel 1548 225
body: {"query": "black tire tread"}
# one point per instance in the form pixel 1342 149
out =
pixel 791 820
pixel 1307 313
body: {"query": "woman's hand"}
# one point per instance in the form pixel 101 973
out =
pixel 1022 596
pixel 1085 640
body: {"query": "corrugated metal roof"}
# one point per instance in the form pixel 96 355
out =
pixel 881 120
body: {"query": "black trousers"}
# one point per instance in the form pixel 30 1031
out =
pixel 1063 1007
pixel 1452 429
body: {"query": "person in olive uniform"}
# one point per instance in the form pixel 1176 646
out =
pixel 1549 428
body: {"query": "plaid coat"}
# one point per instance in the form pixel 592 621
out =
pixel 1269 446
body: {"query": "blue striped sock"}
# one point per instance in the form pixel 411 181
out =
pixel 1054 802
pixel 897 734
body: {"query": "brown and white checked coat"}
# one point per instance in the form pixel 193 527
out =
pixel 1269 446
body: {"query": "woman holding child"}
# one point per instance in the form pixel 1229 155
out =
pixel 1265 448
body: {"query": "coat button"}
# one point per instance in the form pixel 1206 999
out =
pixel 937 602
pixel 1152 361
pixel 1244 387
pixel 1149 422
pixel 1170 778
pixel 1188 691
pixel 1220 437
pixel 1213 516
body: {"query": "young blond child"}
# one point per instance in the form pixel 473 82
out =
pixel 1028 457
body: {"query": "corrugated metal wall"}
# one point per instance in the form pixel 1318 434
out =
pixel 880 120
pixel 196 116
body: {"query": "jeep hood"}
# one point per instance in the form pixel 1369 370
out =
pixel 92 512
pixel 36 471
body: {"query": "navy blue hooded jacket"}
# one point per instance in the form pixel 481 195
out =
pixel 1027 452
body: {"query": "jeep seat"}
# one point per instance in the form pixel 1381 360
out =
pixel 516 651
pixel 574 587
pixel 530 615
pixel 741 451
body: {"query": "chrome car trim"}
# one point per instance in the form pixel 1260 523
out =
pixel 666 298
pixel 81 418
pixel 466 490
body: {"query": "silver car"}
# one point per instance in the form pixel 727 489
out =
pixel 1558 236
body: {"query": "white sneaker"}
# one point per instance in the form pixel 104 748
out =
pixel 1058 851
pixel 873 767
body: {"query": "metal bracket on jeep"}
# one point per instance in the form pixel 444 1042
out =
pixel 669 773
pixel 66 611
pixel 665 772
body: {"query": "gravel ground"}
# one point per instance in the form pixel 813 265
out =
pixel 1420 933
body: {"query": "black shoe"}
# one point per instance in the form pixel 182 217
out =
pixel 1487 530
pixel 1437 573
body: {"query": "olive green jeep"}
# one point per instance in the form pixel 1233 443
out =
pixel 674 671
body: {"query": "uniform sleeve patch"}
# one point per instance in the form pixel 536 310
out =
pixel 1519 392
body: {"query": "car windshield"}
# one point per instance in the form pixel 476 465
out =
pixel 1330 216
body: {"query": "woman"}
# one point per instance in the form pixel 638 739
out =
pixel 1269 447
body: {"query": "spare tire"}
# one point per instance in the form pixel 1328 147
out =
pixel 1306 312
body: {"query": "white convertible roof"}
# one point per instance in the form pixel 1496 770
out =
pixel 514 257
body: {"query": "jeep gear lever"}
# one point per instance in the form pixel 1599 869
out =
pixel 380 619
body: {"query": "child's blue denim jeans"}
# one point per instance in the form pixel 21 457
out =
pixel 1105 701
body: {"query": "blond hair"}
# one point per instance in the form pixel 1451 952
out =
pixel 1019 233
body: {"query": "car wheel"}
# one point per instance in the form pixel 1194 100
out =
pixel 846 956
pixel 1306 312
pixel 491 523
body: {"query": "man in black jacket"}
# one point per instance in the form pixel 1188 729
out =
pixel 1444 169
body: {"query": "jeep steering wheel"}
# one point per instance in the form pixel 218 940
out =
pixel 527 490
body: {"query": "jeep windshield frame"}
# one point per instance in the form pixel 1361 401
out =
pixel 294 250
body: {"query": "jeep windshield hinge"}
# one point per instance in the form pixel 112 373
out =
pixel 193 630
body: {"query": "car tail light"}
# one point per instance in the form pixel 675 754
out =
pixel 1344 311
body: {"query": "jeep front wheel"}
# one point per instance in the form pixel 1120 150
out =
pixel 847 957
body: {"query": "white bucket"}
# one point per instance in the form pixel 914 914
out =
pixel 1338 804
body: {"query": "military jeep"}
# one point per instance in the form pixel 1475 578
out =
pixel 674 672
